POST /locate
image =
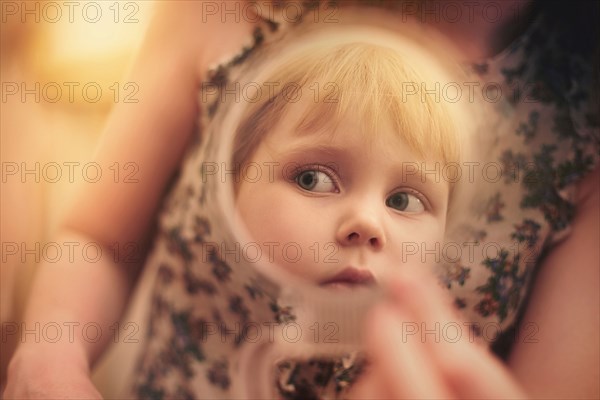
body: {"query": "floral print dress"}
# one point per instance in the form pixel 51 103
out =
pixel 543 136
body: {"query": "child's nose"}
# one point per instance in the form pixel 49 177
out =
pixel 361 229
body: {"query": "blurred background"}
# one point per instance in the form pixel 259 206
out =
pixel 54 57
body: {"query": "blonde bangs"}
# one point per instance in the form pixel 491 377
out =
pixel 371 83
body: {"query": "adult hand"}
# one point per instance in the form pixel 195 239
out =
pixel 405 365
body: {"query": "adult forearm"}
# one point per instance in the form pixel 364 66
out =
pixel 75 300
pixel 562 361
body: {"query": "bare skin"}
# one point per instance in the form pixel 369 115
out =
pixel 154 132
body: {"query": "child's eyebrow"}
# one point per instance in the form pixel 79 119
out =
pixel 303 149
pixel 422 172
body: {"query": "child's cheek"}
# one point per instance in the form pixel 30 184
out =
pixel 288 227
pixel 295 236
pixel 418 243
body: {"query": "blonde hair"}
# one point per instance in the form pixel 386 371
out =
pixel 374 82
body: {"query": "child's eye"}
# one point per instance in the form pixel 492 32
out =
pixel 316 181
pixel 405 202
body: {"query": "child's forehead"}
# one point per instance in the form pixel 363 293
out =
pixel 326 125
pixel 344 140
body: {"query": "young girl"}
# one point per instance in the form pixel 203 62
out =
pixel 176 357
pixel 319 180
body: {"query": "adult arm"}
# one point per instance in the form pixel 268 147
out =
pixel 152 136
pixel 564 362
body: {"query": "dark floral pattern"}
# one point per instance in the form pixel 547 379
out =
pixel 541 184
pixel 529 129
pixel 220 269
pixel 527 232
pixel 513 166
pixel 502 292
pixel 455 273
pixel 494 208
pixel 218 374
pixel 282 314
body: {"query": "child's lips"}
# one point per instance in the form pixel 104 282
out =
pixel 350 277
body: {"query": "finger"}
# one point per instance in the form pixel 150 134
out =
pixel 477 374
pixel 470 370
pixel 403 365
pixel 421 294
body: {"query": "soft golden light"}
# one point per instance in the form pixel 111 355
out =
pixel 104 29
pixel 91 41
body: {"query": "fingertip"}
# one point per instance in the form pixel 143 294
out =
pixel 384 325
pixel 409 284
pixel 417 286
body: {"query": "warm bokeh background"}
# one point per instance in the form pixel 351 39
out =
pixel 45 47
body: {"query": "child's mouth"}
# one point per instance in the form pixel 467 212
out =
pixel 350 278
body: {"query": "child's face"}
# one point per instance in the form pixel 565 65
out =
pixel 327 204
